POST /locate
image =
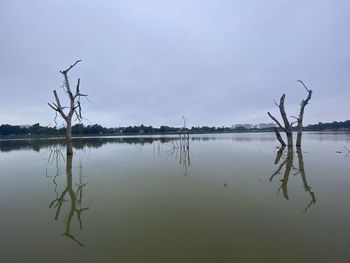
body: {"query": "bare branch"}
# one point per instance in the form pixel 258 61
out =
pixel 77 92
pixel 79 108
pixel 67 85
pixel 275 120
pixel 68 69
pixel 57 99
pixel 279 137
pixel 78 84
pixel 283 112
pixel 58 105
pixel 303 85
pixel 55 109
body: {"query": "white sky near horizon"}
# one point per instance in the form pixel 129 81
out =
pixel 216 62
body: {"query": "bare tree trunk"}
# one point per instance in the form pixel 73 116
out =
pixel 300 130
pixel 288 127
pixel 69 137
pixel 301 114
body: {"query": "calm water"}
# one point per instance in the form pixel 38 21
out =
pixel 231 198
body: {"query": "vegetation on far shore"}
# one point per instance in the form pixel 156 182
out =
pixel 36 130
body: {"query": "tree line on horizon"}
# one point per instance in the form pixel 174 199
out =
pixel 96 129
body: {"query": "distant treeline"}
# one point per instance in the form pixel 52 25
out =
pixel 335 125
pixel 80 129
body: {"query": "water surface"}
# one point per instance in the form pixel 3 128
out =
pixel 229 198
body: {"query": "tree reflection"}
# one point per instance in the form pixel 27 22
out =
pixel 71 194
pixel 78 143
pixel 178 150
pixel 286 159
pixel 55 159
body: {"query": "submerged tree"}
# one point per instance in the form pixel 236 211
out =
pixel 74 108
pixel 287 128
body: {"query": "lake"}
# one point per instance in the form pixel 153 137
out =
pixel 225 198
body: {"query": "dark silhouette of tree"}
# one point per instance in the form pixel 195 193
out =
pixel 74 108
pixel 288 126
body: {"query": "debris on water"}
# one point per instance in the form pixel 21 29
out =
pixel 225 184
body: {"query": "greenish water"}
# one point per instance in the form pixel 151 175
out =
pixel 231 198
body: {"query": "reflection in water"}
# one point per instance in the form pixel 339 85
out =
pixel 8 145
pixel 74 197
pixel 78 143
pixel 179 150
pixel 142 204
pixel 97 142
pixel 303 176
pixel 55 159
pixel 287 160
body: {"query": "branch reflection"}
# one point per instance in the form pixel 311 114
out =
pixel 71 194
pixel 178 150
pixel 286 159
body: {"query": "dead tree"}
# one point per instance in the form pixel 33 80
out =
pixel 74 108
pixel 287 128
pixel 301 114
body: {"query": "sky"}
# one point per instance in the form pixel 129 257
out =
pixel 216 62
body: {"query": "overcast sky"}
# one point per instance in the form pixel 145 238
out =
pixel 151 62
